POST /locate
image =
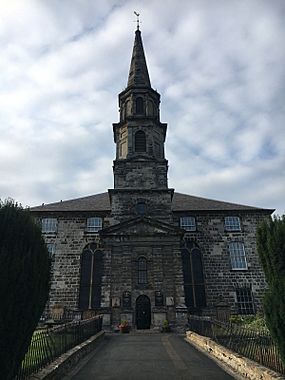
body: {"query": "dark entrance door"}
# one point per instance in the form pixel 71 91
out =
pixel 143 312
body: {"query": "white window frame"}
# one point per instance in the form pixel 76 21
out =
pixel 188 223
pixel 49 225
pixel 237 256
pixel 93 224
pixel 232 223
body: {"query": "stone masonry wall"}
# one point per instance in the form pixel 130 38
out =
pixel 144 174
pixel 158 204
pixel 164 274
pixel 119 260
pixel 213 241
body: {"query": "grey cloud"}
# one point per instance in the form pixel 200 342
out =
pixel 218 66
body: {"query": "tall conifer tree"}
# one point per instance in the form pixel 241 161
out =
pixel 24 284
pixel 271 249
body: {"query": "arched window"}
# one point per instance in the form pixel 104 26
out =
pixel 142 270
pixel 194 284
pixel 140 142
pixel 90 278
pixel 139 106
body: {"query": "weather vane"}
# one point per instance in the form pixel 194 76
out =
pixel 138 19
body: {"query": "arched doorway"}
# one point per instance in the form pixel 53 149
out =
pixel 143 312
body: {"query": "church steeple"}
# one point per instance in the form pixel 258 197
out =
pixel 140 167
pixel 138 74
pixel 139 136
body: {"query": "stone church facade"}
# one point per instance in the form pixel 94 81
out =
pixel 141 251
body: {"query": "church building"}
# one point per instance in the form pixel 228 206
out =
pixel 142 252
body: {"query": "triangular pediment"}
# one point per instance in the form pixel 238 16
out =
pixel 142 226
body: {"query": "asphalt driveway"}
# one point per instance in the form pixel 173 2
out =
pixel 147 357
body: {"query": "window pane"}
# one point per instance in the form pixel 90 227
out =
pixel 237 255
pixel 244 300
pixel 193 278
pixel 189 300
pixel 97 279
pixel 200 296
pixel 85 279
pixel 90 292
pixel 188 223
pixel 141 208
pixel 94 224
pixel 197 266
pixel 51 249
pixel 49 225
pixel 142 271
pixel 232 223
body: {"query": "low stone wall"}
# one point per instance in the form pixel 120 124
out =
pixel 60 367
pixel 244 367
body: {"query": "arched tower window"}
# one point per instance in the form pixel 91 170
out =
pixel 90 278
pixel 140 142
pixel 142 270
pixel 194 283
pixel 139 106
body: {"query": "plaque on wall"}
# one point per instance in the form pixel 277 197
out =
pixel 127 300
pixel 169 301
pixel 116 302
pixel 158 298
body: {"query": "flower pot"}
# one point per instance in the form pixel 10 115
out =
pixel 166 329
pixel 125 329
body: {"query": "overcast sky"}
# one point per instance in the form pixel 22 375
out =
pixel 218 65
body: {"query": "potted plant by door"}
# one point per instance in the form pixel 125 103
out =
pixel 124 327
pixel 165 327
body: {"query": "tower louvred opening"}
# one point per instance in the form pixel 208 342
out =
pixel 140 142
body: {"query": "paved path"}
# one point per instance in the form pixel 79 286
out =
pixel 148 357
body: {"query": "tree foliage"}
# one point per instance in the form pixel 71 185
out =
pixel 271 249
pixel 24 284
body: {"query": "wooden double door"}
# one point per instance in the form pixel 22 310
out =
pixel 143 312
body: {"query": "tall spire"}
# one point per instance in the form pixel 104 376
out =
pixel 138 74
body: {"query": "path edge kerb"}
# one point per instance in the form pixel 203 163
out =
pixel 58 368
pixel 239 366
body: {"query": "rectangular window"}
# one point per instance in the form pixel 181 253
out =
pixel 51 249
pixel 94 224
pixel 188 223
pixel 232 223
pixel 142 271
pixel 49 225
pixel 237 256
pixel 244 300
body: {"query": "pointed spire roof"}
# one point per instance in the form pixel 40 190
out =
pixel 138 74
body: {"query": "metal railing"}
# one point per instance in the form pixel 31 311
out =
pixel 255 345
pixel 49 343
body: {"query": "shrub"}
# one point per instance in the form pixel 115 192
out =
pixel 24 284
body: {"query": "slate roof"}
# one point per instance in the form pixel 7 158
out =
pixel 181 202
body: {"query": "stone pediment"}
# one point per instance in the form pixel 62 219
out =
pixel 142 226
